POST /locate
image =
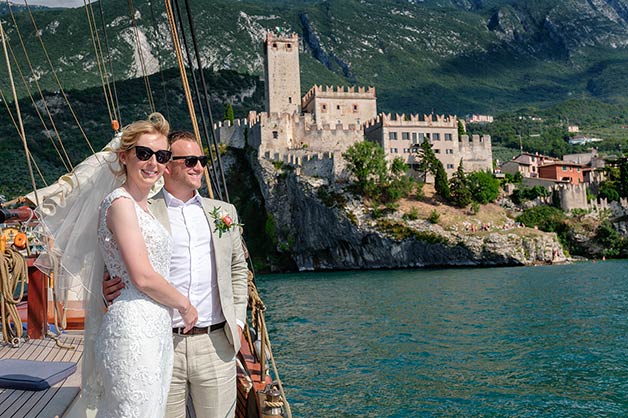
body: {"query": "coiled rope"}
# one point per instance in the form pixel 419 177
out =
pixel 13 272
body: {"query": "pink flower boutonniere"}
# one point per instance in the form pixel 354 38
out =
pixel 222 221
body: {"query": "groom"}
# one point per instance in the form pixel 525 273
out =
pixel 209 267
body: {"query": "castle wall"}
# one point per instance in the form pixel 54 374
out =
pixel 282 74
pixel 401 136
pixel 572 196
pixel 323 165
pixel 232 134
pixel 332 106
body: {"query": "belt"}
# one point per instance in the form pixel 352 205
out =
pixel 199 330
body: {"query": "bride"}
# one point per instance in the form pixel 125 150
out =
pixel 128 355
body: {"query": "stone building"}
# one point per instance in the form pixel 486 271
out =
pixel 316 129
pixel 401 136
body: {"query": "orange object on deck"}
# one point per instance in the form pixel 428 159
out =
pixel 115 125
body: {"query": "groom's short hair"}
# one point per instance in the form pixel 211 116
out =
pixel 175 136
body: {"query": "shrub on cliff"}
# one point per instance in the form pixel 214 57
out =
pixel 546 218
pixel 484 187
pixel 375 179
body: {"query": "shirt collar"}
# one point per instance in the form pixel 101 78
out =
pixel 172 201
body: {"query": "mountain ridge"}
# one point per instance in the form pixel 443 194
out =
pixel 454 56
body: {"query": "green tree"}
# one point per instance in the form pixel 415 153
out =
pixel 367 163
pixel 459 193
pixel 484 187
pixel 441 185
pixel 546 218
pixel 428 163
pixel 461 130
pixel 608 191
pixel 229 115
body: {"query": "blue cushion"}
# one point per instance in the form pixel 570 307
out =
pixel 33 375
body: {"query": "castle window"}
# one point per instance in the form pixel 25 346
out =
pixel 355 107
pixel 436 137
pixel 450 166
pixel 288 46
pixel 275 45
pixel 436 151
pixel 394 151
pixel 405 135
pixel 421 137
pixel 448 137
pixel 414 136
pixel 324 108
pixel 275 134
pixel 337 107
pixel 392 135
pixel 449 151
pixel 289 99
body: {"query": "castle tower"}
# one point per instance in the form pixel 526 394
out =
pixel 281 70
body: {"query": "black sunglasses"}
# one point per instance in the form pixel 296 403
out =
pixel 191 160
pixel 144 154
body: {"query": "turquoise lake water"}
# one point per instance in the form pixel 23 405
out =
pixel 547 341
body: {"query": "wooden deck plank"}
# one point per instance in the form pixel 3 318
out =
pixel 51 402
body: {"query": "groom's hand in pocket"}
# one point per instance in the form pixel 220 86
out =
pixel 111 287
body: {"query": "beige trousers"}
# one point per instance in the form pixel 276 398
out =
pixel 205 369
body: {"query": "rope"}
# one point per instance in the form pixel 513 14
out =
pixel 41 94
pixel 19 114
pixel 113 80
pixel 18 132
pixel 149 93
pixel 41 119
pixel 56 77
pixel 161 70
pixel 97 52
pixel 186 86
pixel 13 272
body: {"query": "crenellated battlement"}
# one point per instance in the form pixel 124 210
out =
pixel 338 92
pixel 236 123
pixel 412 120
pixel 277 37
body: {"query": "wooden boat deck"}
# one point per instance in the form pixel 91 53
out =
pixel 46 403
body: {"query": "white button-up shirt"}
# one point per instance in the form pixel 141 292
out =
pixel 193 263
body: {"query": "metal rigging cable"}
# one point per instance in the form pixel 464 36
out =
pixel 138 45
pixel 66 162
pixel 56 77
pixel 195 93
pixel 113 80
pixel 206 96
pixel 161 71
pixel 176 44
pixel 41 119
pixel 100 63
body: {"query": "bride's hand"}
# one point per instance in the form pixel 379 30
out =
pixel 190 316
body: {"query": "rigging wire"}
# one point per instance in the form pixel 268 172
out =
pixel 138 45
pixel 19 115
pixel 212 168
pixel 93 31
pixel 56 77
pixel 161 70
pixel 206 95
pixel 28 91
pixel 17 128
pixel 113 80
pixel 186 86
pixel 41 94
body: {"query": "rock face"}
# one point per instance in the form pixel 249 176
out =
pixel 319 237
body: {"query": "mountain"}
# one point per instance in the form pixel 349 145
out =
pixel 447 56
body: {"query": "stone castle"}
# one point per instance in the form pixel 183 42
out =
pixel 311 132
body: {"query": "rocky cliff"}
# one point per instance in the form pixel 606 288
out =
pixel 319 236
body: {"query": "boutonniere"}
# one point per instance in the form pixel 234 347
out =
pixel 222 221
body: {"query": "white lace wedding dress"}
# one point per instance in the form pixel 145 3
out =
pixel 133 349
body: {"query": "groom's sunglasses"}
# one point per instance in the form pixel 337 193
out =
pixel 191 160
pixel 144 153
